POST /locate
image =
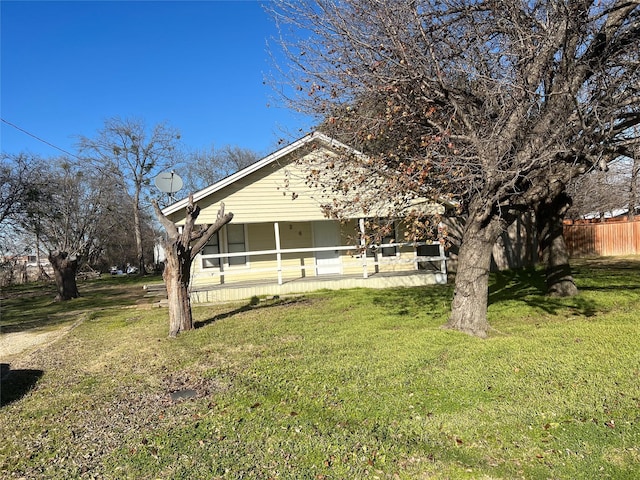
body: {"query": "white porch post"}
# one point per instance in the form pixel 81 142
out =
pixel 443 262
pixel 276 231
pixel 363 244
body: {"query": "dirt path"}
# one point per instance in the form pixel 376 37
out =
pixel 14 344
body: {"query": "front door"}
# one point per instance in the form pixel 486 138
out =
pixel 327 234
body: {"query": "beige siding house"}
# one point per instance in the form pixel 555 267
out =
pixel 280 241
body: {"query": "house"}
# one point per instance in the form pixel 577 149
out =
pixel 23 269
pixel 280 240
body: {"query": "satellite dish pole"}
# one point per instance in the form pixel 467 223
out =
pixel 169 183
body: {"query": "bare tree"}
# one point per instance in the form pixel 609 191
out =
pixel 73 212
pixel 633 185
pixel 65 217
pixel 117 245
pixel 133 155
pixel 498 103
pixel 634 201
pixel 206 167
pixel 181 247
pixel 20 183
pixel 600 193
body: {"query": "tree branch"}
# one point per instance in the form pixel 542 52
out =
pixel 208 231
pixel 193 211
pixel 168 225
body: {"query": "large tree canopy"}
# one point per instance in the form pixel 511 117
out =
pixel 133 154
pixel 21 182
pixel 498 103
pixel 66 217
pixel 56 204
pixel 603 193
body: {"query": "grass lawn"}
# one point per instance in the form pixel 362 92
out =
pixel 336 385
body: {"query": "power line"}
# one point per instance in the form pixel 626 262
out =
pixel 39 139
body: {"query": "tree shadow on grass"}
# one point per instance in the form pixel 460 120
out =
pixel 515 284
pixel 573 305
pixel 254 304
pixel 50 321
pixel 222 316
pixel 528 285
pixel 608 274
pixel 15 384
pixel 33 308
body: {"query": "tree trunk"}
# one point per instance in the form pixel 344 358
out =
pixel 64 269
pixel 633 186
pixel 176 277
pixel 470 300
pixel 138 234
pixel 180 251
pixel 22 268
pixel 555 256
pixel 42 275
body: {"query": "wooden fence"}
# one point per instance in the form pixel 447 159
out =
pixel 603 238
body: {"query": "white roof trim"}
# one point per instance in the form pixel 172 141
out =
pixel 315 136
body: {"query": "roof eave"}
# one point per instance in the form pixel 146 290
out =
pixel 205 192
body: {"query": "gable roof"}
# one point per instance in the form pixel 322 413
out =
pixel 308 139
pixel 256 192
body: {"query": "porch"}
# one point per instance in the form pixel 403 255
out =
pixel 282 277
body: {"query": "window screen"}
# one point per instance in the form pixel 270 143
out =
pixel 211 248
pixel 236 243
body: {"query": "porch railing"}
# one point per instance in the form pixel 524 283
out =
pixel 360 257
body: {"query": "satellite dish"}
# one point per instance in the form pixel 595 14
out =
pixel 169 182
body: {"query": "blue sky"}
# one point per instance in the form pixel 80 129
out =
pixel 198 65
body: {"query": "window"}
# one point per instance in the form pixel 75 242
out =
pixel 211 248
pixel 236 243
pixel 390 237
pixel 429 250
pixel 389 251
